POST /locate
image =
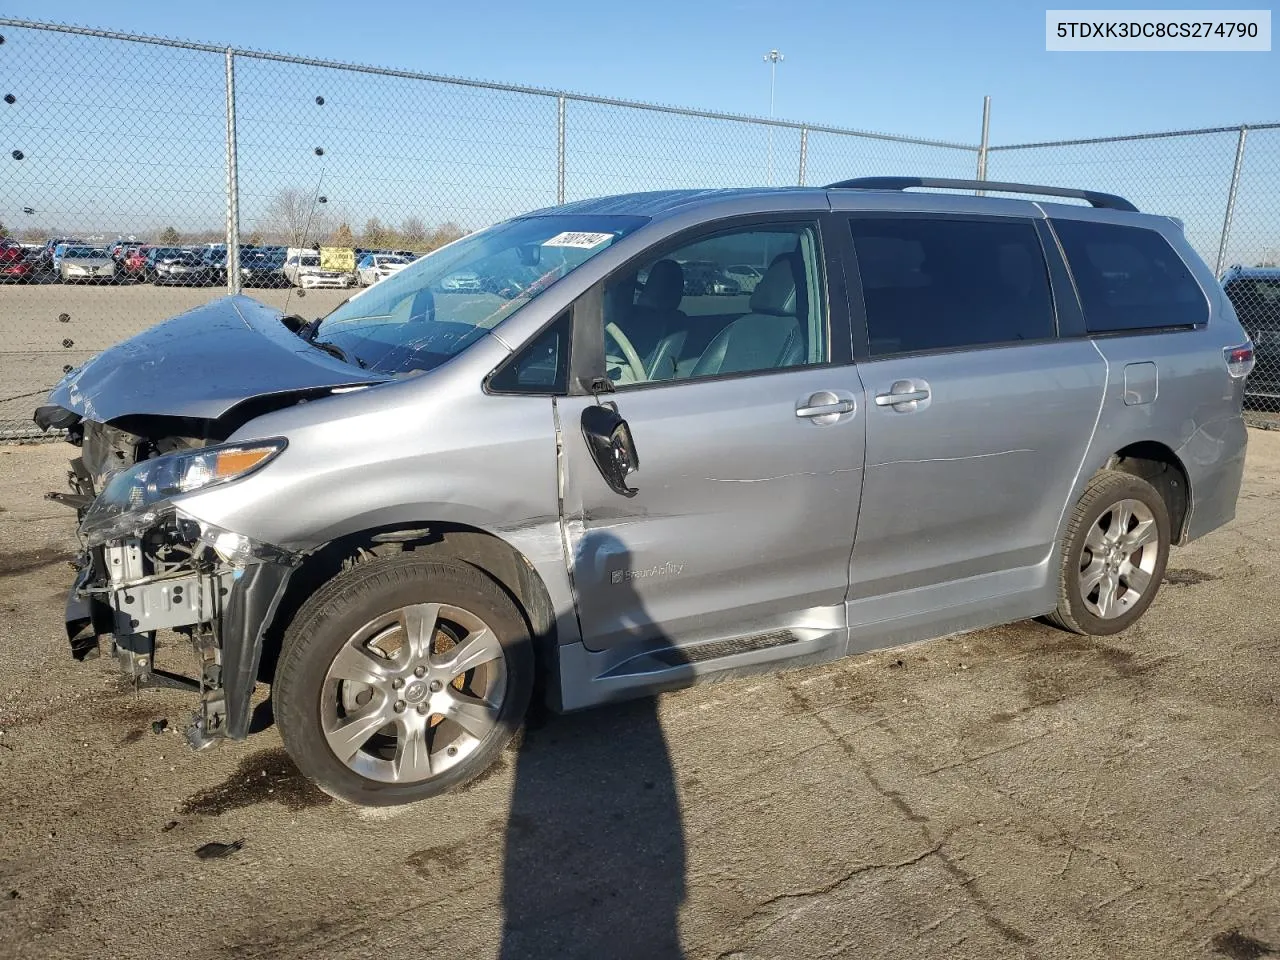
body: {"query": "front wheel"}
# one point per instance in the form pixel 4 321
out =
pixel 1113 555
pixel 401 678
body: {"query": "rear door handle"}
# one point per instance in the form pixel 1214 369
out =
pixel 825 409
pixel 889 399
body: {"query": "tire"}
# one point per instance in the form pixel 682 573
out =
pixel 1090 553
pixel 316 708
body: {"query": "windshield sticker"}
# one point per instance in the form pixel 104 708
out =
pixel 576 238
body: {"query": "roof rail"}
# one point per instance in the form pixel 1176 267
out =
pixel 1107 200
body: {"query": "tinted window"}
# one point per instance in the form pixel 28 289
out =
pixel 1129 278
pixel 692 312
pixel 943 284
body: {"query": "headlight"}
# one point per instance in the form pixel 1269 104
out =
pixel 135 498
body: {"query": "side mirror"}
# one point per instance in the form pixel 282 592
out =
pixel 609 440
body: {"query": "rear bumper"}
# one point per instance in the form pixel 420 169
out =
pixel 1214 458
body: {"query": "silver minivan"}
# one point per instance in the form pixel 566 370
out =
pixel 584 479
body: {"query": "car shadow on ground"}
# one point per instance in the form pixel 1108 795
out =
pixel 595 855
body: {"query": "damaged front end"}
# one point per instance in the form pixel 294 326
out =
pixel 148 565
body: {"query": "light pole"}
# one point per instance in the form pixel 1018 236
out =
pixel 773 58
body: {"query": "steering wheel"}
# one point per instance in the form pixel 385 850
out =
pixel 638 373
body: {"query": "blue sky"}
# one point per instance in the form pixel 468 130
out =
pixel 127 137
pixel 919 68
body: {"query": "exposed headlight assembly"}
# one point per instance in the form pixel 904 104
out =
pixel 136 498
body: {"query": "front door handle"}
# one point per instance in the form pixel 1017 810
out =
pixel 825 409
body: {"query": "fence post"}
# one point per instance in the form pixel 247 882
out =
pixel 1231 202
pixel 982 147
pixel 804 151
pixel 560 109
pixel 233 182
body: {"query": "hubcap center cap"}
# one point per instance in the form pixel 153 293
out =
pixel 415 691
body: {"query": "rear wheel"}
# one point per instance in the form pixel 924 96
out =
pixel 1113 555
pixel 401 678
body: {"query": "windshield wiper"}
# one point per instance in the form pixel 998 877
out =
pixel 336 351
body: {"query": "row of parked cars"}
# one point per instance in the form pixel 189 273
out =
pixel 67 260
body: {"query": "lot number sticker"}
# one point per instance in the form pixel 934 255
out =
pixel 572 238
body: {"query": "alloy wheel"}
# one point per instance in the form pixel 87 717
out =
pixel 413 693
pixel 1119 558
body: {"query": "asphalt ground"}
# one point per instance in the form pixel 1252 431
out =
pixel 1014 792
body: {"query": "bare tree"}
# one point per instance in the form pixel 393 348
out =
pixel 376 235
pixel 445 233
pixel 289 214
pixel 414 232
pixel 170 236
pixel 342 237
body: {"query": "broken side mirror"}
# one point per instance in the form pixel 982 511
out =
pixel 609 440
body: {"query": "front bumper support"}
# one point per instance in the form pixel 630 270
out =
pixel 227 611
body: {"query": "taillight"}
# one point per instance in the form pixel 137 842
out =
pixel 1239 360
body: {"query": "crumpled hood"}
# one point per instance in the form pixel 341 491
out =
pixel 201 364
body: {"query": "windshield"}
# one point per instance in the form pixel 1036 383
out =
pixel 85 253
pixel 437 306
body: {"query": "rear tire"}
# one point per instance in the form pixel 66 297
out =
pixel 1113 555
pixel 375 666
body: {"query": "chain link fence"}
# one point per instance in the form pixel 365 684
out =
pixel 139 172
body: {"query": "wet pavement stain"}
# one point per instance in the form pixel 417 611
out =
pixel 437 861
pixel 1188 577
pixel 24 561
pixel 1240 946
pixel 268 776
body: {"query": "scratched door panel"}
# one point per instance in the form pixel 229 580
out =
pixel 973 480
pixel 745 512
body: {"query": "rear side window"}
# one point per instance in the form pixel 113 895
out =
pixel 951 283
pixel 1129 278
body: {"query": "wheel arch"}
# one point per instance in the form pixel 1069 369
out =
pixel 489 553
pixel 1157 464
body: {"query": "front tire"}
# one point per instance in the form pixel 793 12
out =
pixel 1113 555
pixel 402 678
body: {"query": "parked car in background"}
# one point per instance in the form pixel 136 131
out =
pixel 378 266
pixel 48 255
pixel 302 270
pixel 15 265
pixel 153 256
pixel 85 264
pixel 214 263
pixel 702 278
pixel 745 275
pixel 133 265
pixel 461 280
pixel 262 267
pixel 1254 292
pixel 179 266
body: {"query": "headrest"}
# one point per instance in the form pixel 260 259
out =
pixel 664 288
pixel 775 294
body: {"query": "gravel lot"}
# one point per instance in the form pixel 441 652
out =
pixel 32 334
pixel 1015 792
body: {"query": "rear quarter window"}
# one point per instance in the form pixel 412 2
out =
pixel 1129 278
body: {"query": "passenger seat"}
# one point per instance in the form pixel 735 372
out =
pixel 772 334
